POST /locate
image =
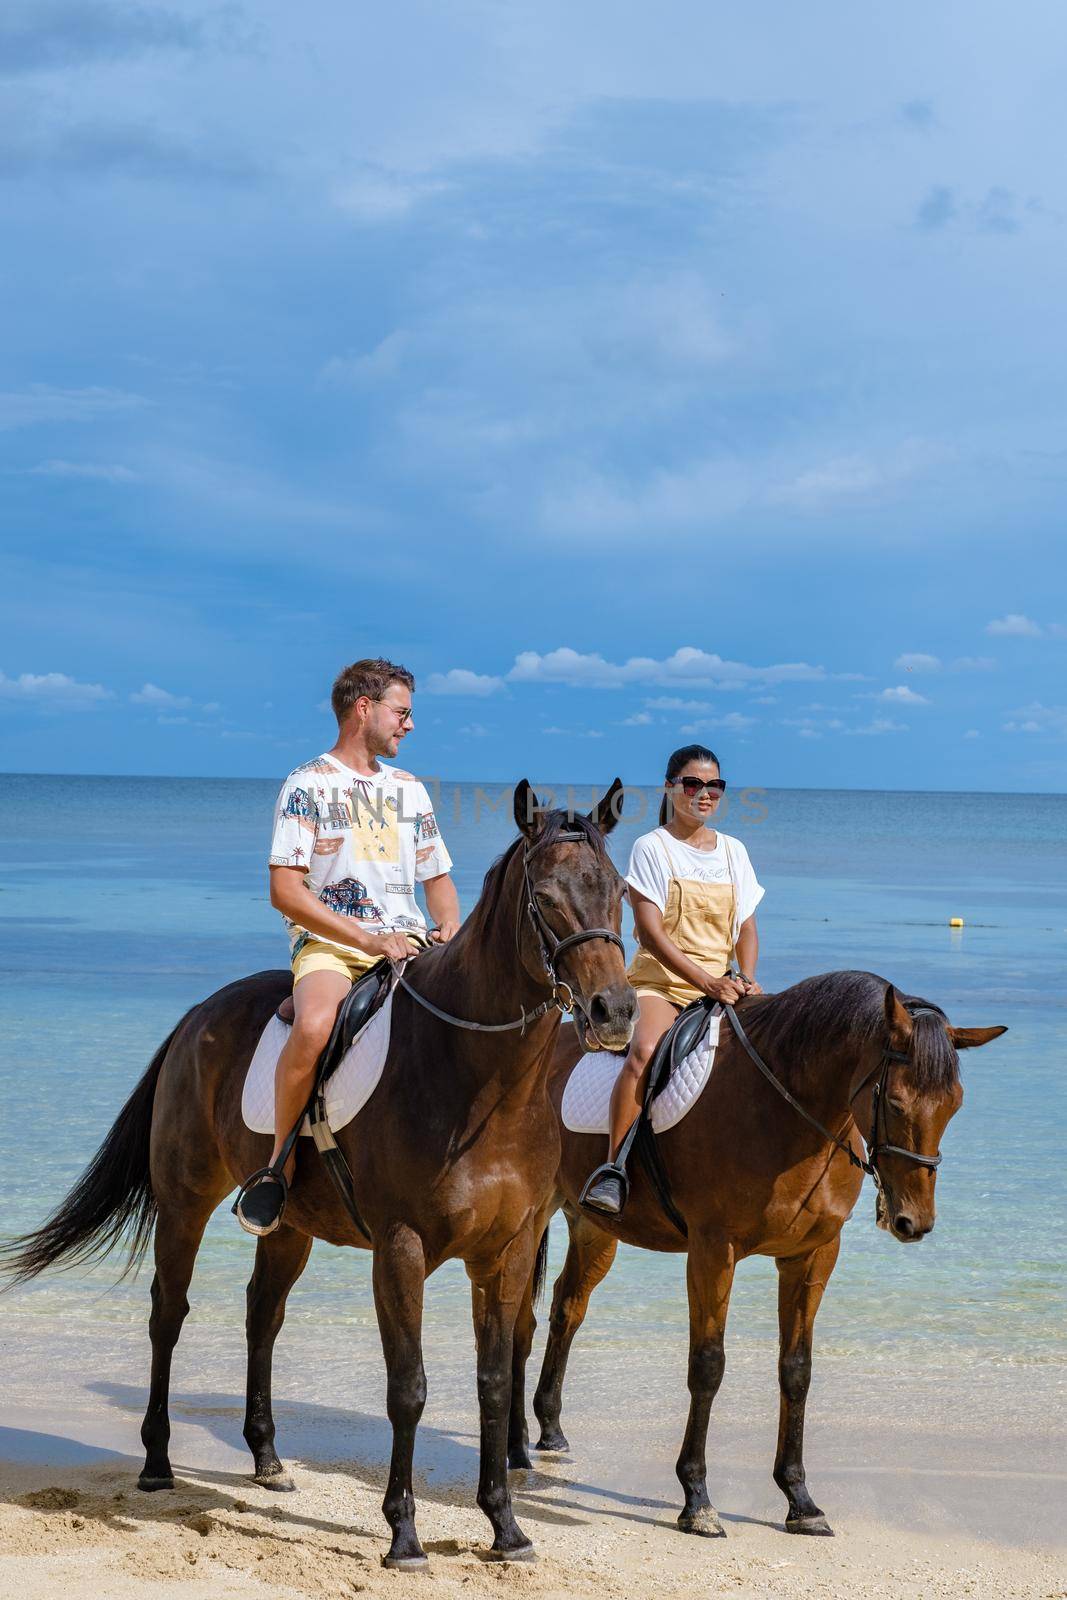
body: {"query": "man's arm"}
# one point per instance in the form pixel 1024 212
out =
pixel 442 902
pixel 290 895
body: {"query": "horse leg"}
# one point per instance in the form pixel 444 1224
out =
pixel 518 1433
pixel 496 1296
pixel 589 1257
pixel 801 1282
pixel 178 1234
pixel 710 1276
pixel 280 1259
pixel 399 1281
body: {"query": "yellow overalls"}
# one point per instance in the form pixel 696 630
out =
pixel 699 919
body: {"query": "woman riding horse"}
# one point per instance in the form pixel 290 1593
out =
pixel 694 897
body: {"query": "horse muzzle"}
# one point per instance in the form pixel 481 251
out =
pixel 605 1021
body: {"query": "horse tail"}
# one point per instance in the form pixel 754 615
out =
pixel 540 1271
pixel 111 1200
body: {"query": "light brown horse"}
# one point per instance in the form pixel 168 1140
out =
pixel 454 1155
pixel 749 1175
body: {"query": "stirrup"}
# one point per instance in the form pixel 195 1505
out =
pixel 608 1169
pixel 277 1176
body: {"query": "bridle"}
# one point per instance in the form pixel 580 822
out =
pixel 551 948
pixel 875 1146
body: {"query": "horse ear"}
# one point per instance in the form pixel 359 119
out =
pixel 898 1021
pixel 606 813
pixel 971 1038
pixel 527 810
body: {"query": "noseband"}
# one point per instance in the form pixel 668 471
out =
pixel 551 947
pixel 875 1146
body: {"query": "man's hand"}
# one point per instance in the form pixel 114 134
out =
pixel 442 934
pixel 751 986
pixel 393 945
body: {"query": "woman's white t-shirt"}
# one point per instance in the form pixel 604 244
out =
pixel 657 857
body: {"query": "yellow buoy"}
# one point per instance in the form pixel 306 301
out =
pixel 955 922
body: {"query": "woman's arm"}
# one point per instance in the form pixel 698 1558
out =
pixel 648 920
pixel 747 952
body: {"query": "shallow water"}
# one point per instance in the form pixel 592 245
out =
pixel 123 901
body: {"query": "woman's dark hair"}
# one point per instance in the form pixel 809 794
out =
pixel 675 762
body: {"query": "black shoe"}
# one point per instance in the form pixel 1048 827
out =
pixel 606 1190
pixel 261 1201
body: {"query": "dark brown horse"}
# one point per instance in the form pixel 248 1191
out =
pixel 454 1155
pixel 750 1175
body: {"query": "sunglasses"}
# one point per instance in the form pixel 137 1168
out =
pixel 695 786
pixel 402 713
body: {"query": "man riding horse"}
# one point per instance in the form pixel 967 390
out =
pixel 352 837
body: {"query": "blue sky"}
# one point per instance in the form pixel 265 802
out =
pixel 633 375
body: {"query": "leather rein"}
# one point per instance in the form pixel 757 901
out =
pixel 875 1146
pixel 551 948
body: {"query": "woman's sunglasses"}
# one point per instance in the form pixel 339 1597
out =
pixel 695 786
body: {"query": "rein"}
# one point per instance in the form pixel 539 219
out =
pixel 551 947
pixel 875 1147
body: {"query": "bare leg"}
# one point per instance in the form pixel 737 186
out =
pixel 315 999
pixel 710 1276
pixel 399 1280
pixel 280 1259
pixel 496 1295
pixel 589 1258
pixel 177 1240
pixel 655 1016
pixel 801 1283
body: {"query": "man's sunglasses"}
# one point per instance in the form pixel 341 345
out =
pixel 402 713
pixel 695 786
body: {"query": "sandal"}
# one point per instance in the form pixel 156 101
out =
pixel 260 1201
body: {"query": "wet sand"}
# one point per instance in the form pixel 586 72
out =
pixel 937 1482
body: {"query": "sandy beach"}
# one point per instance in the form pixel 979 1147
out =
pixel 936 1484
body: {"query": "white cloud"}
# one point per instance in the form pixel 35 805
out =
pixel 901 695
pixel 1038 718
pixel 575 733
pixel 668 702
pixel 41 402
pixel 150 694
pixel 53 691
pixel 916 661
pixel 92 470
pixel 693 496
pixel 688 666
pixel 853 479
pixel 972 733
pixel 384 361
pixel 640 719
pixel 732 722
pixel 880 725
pixel 460 680
pixel 377 196
pixel 1014 625
pixel 973 664
pixel 474 730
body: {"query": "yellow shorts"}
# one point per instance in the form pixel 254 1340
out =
pixel 318 956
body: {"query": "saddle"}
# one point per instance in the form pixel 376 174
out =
pixel 681 1037
pixel 355 1011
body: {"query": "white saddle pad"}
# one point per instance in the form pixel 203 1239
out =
pixel 347 1090
pixel 587 1097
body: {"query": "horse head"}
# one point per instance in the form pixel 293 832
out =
pixel 572 896
pixel 906 1102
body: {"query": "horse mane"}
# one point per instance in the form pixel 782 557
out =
pixel 797 1024
pixel 554 824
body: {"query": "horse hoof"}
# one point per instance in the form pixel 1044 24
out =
pixel 705 1523
pixel 150 1484
pixel 817 1526
pixel 522 1552
pixel 419 1563
pixel 278 1482
pixel 550 1440
pixel 519 1461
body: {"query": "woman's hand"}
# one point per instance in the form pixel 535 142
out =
pixel 728 990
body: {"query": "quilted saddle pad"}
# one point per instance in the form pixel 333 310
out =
pixel 347 1089
pixel 587 1097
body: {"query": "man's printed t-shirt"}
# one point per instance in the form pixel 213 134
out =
pixel 363 840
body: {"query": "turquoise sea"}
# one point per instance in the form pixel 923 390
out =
pixel 124 900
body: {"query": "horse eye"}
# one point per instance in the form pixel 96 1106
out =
pixel 895 1105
